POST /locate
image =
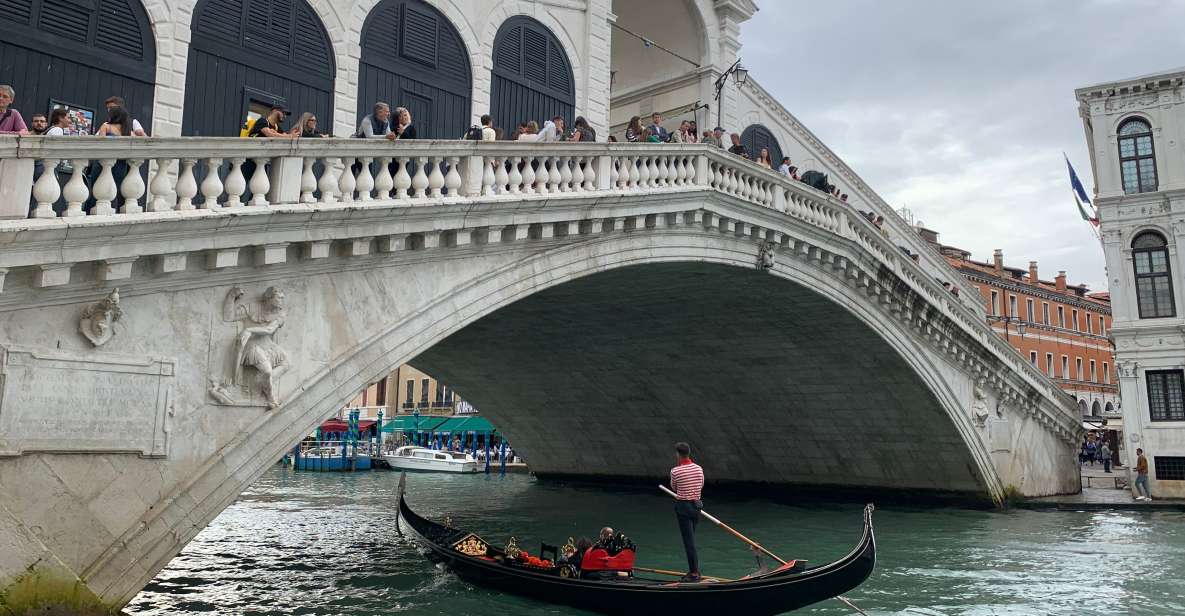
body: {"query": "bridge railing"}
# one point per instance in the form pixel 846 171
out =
pixel 198 176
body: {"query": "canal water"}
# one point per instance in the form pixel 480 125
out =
pixel 326 544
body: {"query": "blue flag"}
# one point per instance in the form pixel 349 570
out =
pixel 1080 196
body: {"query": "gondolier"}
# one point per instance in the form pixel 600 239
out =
pixel 687 480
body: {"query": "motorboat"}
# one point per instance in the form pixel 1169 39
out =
pixel 413 458
pixel 789 587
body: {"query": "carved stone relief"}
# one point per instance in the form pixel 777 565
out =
pixel 765 259
pixel 256 360
pixel 1127 369
pixel 98 320
pixel 979 406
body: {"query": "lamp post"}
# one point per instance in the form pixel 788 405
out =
pixel 1006 319
pixel 741 75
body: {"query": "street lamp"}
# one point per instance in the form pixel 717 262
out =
pixel 1006 319
pixel 740 74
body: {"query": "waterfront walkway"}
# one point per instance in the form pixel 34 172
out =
pixel 1103 491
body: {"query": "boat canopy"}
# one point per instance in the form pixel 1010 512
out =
pixel 407 423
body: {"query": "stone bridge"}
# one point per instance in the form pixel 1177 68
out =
pixel 597 301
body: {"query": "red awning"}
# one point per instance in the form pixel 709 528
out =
pixel 336 425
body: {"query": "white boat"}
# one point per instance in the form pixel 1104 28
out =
pixel 412 458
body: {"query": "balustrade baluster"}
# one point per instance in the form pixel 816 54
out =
pixel 160 187
pixel 132 188
pixel 577 180
pixel 436 178
pixel 615 177
pixel 346 182
pixel 501 178
pixel 680 174
pixel 384 182
pixel 659 179
pixel 328 181
pixel 635 166
pixel 308 180
pixel 236 184
pixel 186 185
pixel 211 185
pixel 671 173
pixel 590 173
pixel 516 176
pixel 643 173
pixel 75 191
pixel 565 174
pixel 452 179
pixel 260 183
pixel 555 179
pixel 419 183
pixel 365 181
pixel 541 176
pixel 487 175
pixel 402 179
pixel 46 190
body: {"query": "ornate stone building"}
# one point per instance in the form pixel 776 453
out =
pixel 1134 130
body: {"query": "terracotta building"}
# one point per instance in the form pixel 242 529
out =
pixel 1062 329
pixel 405 390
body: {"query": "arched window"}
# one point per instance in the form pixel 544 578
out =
pixel 1154 283
pixel 756 137
pixel 1137 161
pixel 1082 408
pixel 1110 408
pixel 531 77
pixel 1095 409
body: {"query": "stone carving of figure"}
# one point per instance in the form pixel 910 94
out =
pixel 765 260
pixel 979 408
pixel 256 345
pixel 98 320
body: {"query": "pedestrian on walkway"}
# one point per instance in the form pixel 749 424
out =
pixel 1142 492
pixel 1105 452
pixel 687 482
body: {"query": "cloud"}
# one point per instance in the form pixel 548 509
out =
pixel 960 111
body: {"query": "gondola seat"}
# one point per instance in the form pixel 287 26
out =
pixel 598 559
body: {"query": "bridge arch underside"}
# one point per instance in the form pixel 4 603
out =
pixel 769 380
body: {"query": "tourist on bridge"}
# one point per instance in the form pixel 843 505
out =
pixel 11 122
pixel 38 124
pixel 403 129
pixel 117 101
pixel 656 128
pixel 737 148
pixel 377 125
pixel 552 131
pixel 1142 491
pixel 1105 453
pixel 633 132
pixel 687 481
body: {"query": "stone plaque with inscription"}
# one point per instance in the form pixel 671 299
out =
pixel 65 402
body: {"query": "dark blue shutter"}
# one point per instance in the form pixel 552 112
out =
pixel 66 19
pixel 412 56
pixel 532 78
pixel 19 11
pixel 115 17
pixel 756 137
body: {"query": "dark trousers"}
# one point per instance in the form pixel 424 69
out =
pixel 1107 465
pixel 688 515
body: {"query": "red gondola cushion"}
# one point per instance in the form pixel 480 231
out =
pixel 597 559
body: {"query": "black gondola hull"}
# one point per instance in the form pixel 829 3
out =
pixel 773 593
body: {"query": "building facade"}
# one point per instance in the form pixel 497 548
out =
pixel 1134 128
pixel 406 390
pixel 1062 329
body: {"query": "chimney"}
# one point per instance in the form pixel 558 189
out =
pixel 998 261
pixel 1033 272
pixel 1061 281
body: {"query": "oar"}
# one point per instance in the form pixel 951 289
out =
pixel 678 574
pixel 738 535
pixel 711 518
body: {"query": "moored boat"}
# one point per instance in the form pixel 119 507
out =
pixel 412 458
pixel 789 587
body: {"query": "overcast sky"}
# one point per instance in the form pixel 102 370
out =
pixel 961 110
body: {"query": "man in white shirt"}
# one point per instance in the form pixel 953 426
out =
pixel 487 128
pixel 553 130
pixel 117 101
pixel 784 168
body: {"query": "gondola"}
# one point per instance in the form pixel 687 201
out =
pixel 784 589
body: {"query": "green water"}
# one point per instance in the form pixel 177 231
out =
pixel 326 544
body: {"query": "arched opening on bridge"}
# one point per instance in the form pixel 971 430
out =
pixel 413 56
pixel 771 381
pixel 531 77
pixel 755 137
pixel 663 75
pixel 76 55
pixel 245 56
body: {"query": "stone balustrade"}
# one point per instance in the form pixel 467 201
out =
pixel 202 177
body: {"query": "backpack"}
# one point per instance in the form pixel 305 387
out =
pixel 474 133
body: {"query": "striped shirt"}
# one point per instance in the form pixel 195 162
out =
pixel 687 480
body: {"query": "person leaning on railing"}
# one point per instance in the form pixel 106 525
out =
pixel 11 122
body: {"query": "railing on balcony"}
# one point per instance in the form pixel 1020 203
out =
pixel 202 177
